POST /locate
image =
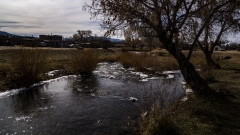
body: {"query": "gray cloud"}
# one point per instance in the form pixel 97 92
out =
pixel 8 22
pixel 94 23
pixel 35 17
pixel 20 26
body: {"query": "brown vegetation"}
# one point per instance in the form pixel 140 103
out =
pixel 83 62
pixel 142 61
pixel 218 114
pixel 27 66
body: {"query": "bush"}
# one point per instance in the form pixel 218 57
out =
pixel 28 66
pixel 83 62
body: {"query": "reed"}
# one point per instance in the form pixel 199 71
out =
pixel 158 122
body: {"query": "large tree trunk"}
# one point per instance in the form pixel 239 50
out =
pixel 192 78
pixel 210 61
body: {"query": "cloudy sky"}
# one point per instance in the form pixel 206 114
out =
pixel 35 17
pixel 59 17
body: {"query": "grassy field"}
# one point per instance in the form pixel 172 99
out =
pixel 218 114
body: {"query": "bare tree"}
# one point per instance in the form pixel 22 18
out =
pixel 131 37
pixel 76 37
pixel 84 34
pixel 168 18
pixel 225 20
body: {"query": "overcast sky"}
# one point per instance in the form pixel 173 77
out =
pixel 59 17
pixel 35 17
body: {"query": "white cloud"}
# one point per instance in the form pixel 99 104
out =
pixel 34 17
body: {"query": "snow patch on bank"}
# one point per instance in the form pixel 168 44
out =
pixel 171 72
pixel 187 91
pixel 169 75
pixel 52 73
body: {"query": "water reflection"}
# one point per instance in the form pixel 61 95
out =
pixel 162 92
pixel 28 101
pixel 87 86
pixel 95 105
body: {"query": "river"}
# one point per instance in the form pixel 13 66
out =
pixel 100 104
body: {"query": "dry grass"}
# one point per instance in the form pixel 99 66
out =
pixel 57 59
pixel 166 63
pixel 158 122
pixel 83 62
pixel 198 115
pixel 233 54
pixel 109 55
pixel 27 66
pixel 198 59
pixel 142 61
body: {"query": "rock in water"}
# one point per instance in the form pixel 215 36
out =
pixel 133 99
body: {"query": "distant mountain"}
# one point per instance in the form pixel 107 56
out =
pixel 3 33
pixel 115 40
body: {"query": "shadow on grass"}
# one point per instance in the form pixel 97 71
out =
pixel 229 114
pixel 231 68
pixel 198 115
pixel 212 115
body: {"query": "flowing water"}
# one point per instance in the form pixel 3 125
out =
pixel 100 104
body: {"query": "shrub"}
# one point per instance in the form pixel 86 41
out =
pixel 83 62
pixel 28 66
